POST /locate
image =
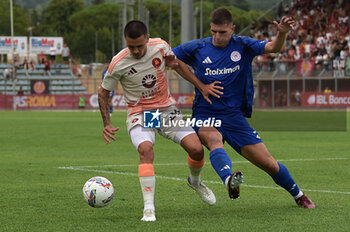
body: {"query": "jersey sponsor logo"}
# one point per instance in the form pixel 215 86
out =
pixel 207 60
pixel 235 56
pixel 149 81
pixel 132 71
pixel 156 62
pixel 218 71
pixel 151 92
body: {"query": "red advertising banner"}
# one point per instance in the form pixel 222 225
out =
pixel 71 101
pixel 305 68
pixel 320 99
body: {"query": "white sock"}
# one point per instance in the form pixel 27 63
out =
pixel 195 175
pixel 226 181
pixel 299 194
pixel 148 186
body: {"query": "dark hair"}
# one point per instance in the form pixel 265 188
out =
pixel 134 29
pixel 221 16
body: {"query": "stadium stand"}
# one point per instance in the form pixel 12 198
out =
pixel 309 59
pixel 321 34
pixel 60 77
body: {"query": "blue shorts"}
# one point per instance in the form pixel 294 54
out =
pixel 234 129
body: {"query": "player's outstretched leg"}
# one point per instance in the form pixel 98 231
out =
pixel 305 202
pixel 233 183
pixel 195 183
pixel 261 157
pixel 195 162
pixel 222 164
pixel 148 184
pixel 285 180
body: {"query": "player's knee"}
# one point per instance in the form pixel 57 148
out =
pixel 145 150
pixel 197 152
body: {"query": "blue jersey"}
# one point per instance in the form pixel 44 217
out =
pixel 230 65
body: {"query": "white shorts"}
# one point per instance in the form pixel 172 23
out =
pixel 139 134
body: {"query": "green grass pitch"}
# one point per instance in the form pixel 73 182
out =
pixel 46 157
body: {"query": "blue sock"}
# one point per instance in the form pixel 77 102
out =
pixel 110 109
pixel 221 163
pixel 285 180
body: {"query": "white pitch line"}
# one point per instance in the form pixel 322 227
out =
pixel 183 179
pixel 234 162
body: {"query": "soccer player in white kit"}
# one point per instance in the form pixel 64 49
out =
pixel 141 70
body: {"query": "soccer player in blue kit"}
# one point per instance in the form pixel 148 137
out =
pixel 227 58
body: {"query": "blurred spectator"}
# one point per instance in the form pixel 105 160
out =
pixel 53 54
pixel 42 58
pixel 16 63
pixel 265 96
pixel 79 72
pixel 280 97
pixel 20 91
pixel 65 54
pixel 15 57
pixel 47 67
pixel 90 69
pixel 327 90
pixel 343 54
pixel 297 97
pixel 32 65
pixel 326 61
pixel 319 61
pixel 8 73
pixel 25 64
pixel 335 49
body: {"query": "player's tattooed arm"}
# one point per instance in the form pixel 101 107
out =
pixel 108 131
pixel 103 97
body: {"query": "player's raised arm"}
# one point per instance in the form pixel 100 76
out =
pixel 182 69
pixel 108 131
pixel 286 24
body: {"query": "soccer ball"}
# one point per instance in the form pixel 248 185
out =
pixel 98 191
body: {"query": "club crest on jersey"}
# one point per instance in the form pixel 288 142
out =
pixel 156 62
pixel 235 56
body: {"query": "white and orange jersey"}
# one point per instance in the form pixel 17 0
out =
pixel 143 80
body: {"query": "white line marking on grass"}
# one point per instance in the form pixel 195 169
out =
pixel 234 162
pixel 184 180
